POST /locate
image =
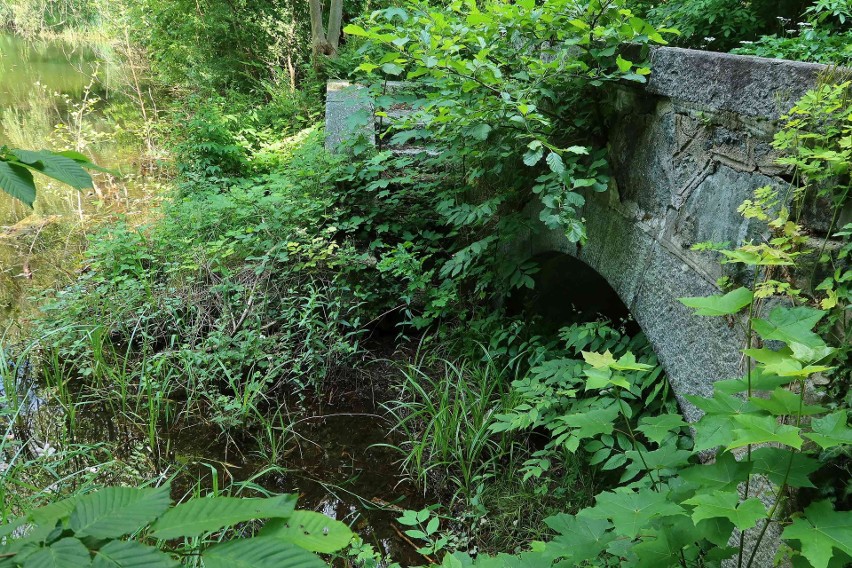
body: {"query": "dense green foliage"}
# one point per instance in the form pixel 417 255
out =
pixel 277 270
pixel 88 530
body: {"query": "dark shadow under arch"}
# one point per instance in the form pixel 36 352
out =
pixel 569 291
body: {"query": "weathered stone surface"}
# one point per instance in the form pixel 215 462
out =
pixel 348 114
pixel 751 86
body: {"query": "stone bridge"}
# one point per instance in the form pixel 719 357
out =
pixel 686 149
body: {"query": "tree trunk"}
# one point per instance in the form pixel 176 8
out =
pixel 318 38
pixel 335 21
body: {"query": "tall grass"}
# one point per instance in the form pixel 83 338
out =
pixel 443 416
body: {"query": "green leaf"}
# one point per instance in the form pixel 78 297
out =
pixel 18 182
pixel 821 531
pixel 773 463
pixel 722 403
pixel 555 163
pixel 259 552
pixel 480 131
pixel 729 304
pixel 534 154
pixel 785 403
pixel 831 430
pixel 392 69
pixel 762 429
pixel 199 516
pixel 592 422
pixel 623 64
pixel 722 475
pixel 131 554
pixel 59 167
pixel 311 531
pixel 599 360
pixel 65 553
pixel 116 511
pixel 658 428
pixel 727 504
pixel 354 30
pixel 712 431
pixel 631 511
pixel 49 514
pixel 579 539
pixel 783 363
pixel 794 327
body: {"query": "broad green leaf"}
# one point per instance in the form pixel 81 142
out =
pixel 794 327
pixel 783 363
pixel 631 511
pixel 49 514
pixel 821 531
pixel 761 380
pixel 131 554
pixel 728 304
pixel 61 168
pixel 116 511
pixel 592 422
pixel 480 131
pixel 666 547
pixel 259 552
pixel 722 475
pixel 311 531
pixel 555 163
pixel 763 429
pixel 785 403
pixel 579 539
pixel 658 428
pixel 727 504
pixel 534 154
pixel 723 403
pixel 623 64
pixel 627 362
pixel 717 530
pixel 18 182
pixel 603 378
pixel 831 430
pixel 773 463
pixel 65 553
pixel 354 30
pixel 392 69
pixel 599 360
pixel 712 431
pixel 199 516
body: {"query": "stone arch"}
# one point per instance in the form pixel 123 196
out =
pixel 649 276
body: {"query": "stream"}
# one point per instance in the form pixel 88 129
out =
pixel 57 95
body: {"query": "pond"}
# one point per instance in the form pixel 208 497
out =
pixel 58 95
